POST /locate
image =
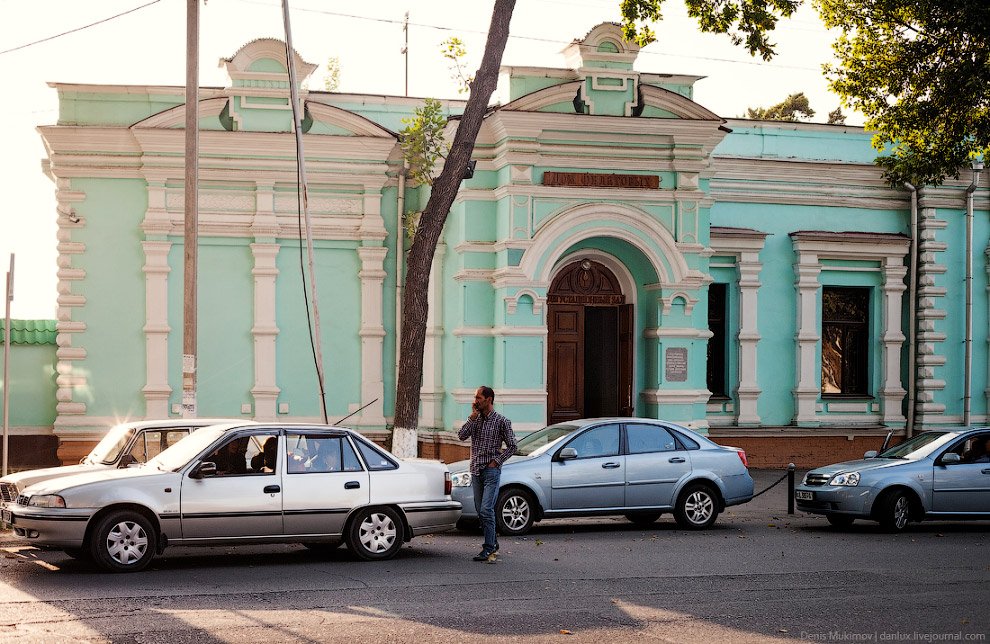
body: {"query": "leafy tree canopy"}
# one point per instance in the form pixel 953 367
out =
pixel 792 108
pixel 919 71
pixel 747 22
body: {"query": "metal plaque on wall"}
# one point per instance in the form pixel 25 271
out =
pixel 675 363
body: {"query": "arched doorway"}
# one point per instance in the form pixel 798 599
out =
pixel 589 344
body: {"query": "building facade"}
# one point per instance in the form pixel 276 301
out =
pixel 619 250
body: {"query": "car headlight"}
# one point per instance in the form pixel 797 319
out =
pixel 47 501
pixel 461 479
pixel 804 481
pixel 850 479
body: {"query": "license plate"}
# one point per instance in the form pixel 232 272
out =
pixel 5 516
pixel 801 495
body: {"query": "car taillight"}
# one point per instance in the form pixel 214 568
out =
pixel 742 457
pixel 447 485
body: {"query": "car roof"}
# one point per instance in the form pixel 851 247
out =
pixel 184 422
pixel 582 422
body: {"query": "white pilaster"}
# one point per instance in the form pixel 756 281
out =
pixel 748 392
pixel 156 329
pixel 431 395
pixel 807 389
pixel 892 391
pixel 372 275
pixel 66 355
pixel 265 330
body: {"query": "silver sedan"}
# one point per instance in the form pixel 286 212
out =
pixel 635 467
pixel 934 475
pixel 239 484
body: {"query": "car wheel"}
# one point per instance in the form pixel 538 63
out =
pixel 894 511
pixel 514 512
pixel 375 534
pixel 840 520
pixel 123 541
pixel 77 553
pixel 643 518
pixel 697 507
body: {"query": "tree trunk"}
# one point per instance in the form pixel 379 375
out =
pixel 415 304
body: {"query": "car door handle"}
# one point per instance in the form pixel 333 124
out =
pixel 676 459
pixel 352 485
pixel 272 489
pixel 609 466
pixel 987 471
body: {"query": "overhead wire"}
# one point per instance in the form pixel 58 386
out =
pixel 72 31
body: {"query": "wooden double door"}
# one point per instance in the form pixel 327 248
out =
pixel 589 345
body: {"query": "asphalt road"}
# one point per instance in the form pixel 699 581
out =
pixel 758 575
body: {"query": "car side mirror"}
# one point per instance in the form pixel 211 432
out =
pixel 203 470
pixel 871 454
pixel 126 460
pixel 950 458
pixel 567 454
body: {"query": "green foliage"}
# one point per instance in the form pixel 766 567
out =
pixel 454 51
pixel 332 79
pixel 422 141
pixel 410 223
pixel 836 117
pixel 792 108
pixel 919 71
pixel 746 22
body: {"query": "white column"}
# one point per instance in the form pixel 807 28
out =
pixel 807 389
pixel 372 333
pixel 432 392
pixel 156 329
pixel 892 391
pixel 265 330
pixel 748 392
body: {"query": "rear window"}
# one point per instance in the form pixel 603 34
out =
pixel 375 459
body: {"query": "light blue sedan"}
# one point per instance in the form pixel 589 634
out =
pixel 934 475
pixel 635 467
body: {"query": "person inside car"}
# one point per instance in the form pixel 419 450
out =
pixel 230 458
pixel 978 453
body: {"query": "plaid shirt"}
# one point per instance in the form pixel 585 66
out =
pixel 487 435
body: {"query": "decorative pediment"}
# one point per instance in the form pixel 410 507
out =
pixel 561 95
pixel 679 106
pixel 263 61
pixel 603 46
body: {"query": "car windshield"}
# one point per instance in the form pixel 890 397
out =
pixel 182 452
pixel 914 447
pixel 540 440
pixel 108 450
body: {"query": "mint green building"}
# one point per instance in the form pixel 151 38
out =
pixel 619 250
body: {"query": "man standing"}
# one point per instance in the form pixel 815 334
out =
pixel 488 429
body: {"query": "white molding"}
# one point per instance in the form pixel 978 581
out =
pixel 70 376
pixel 813 246
pixel 687 333
pixel 265 331
pixel 675 396
pixel 372 332
pixel 432 392
pixel 156 329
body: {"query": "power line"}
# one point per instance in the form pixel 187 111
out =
pixel 72 31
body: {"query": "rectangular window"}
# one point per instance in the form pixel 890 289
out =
pixel 717 343
pixel 845 341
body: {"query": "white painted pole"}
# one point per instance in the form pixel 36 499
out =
pixel 6 361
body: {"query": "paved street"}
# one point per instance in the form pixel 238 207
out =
pixel 758 575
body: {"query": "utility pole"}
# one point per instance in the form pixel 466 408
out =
pixel 6 360
pixel 191 239
pixel 405 49
pixel 290 55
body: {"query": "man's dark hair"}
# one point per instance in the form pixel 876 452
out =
pixel 488 392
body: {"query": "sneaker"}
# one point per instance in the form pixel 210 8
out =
pixel 484 555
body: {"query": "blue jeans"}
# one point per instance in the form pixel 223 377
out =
pixel 485 493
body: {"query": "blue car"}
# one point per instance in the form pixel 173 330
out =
pixel 934 475
pixel 635 467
